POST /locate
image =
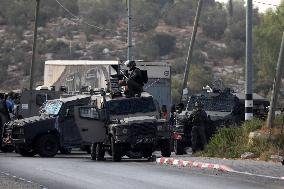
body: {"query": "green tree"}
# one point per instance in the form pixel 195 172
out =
pixel 213 22
pixel 199 77
pixel 180 13
pixel 156 45
pixel 267 38
pixel 146 15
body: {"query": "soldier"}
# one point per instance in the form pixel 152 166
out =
pixel 134 83
pixel 198 120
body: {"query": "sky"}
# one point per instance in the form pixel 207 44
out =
pixel 261 4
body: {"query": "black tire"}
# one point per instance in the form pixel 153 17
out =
pixel 88 149
pixel 25 152
pixel 100 152
pixel 47 145
pixel 7 148
pixel 165 146
pixel 65 150
pixel 147 153
pixel 116 151
pixel 93 151
pixel 178 147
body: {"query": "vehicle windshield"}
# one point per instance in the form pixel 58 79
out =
pixel 51 107
pixel 131 106
pixel 213 104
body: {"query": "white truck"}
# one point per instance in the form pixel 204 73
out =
pixel 79 74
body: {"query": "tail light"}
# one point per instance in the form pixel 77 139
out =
pixel 177 136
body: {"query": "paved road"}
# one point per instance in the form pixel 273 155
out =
pixel 78 171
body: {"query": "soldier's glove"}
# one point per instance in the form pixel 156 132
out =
pixel 122 82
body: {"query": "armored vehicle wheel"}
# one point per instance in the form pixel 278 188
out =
pixel 178 147
pixel 116 150
pixel 47 145
pixel 88 149
pixel 65 150
pixel 147 153
pixel 165 146
pixel 100 152
pixel 25 152
pixel 7 148
pixel 93 151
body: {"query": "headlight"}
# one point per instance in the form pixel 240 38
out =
pixel 124 131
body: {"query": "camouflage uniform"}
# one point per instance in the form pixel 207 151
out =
pixel 198 120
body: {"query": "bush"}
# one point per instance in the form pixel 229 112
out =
pixel 232 142
pixel 146 15
pixel 213 23
pixel 156 45
pixel 180 14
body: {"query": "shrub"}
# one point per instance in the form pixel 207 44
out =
pixel 232 142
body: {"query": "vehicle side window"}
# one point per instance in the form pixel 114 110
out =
pixel 89 113
pixel 42 98
pixel 70 111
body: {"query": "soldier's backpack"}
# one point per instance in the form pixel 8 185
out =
pixel 144 76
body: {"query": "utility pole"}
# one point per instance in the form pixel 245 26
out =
pixel 32 68
pixel 129 37
pixel 249 63
pixel 34 46
pixel 276 85
pixel 191 46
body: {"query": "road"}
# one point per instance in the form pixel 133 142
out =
pixel 78 171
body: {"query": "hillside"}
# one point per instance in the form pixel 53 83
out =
pixel 61 36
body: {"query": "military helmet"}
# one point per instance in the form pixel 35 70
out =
pixel 129 63
pixel 198 104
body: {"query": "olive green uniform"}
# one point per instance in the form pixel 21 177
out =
pixel 198 120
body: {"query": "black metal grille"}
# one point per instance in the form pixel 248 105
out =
pixel 143 129
pixel 18 133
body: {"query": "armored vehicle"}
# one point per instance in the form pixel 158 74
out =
pixel 222 107
pixel 31 101
pixel 133 127
pixel 56 128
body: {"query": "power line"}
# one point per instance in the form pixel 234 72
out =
pixel 78 18
pixel 267 4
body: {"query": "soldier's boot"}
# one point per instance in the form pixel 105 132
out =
pixel 202 134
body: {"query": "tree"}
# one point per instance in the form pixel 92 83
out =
pixel 146 15
pixel 199 77
pixel 181 13
pixel 267 38
pixel 213 22
pixel 156 45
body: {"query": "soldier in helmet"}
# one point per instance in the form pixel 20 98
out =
pixel 134 83
pixel 198 121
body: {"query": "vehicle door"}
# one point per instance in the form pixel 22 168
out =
pixel 69 130
pixel 90 124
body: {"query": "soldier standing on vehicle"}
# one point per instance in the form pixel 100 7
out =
pixel 198 120
pixel 134 83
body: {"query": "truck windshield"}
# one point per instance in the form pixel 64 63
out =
pixel 131 106
pixel 52 107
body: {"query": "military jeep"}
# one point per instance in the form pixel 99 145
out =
pixel 223 109
pixel 56 128
pixel 133 128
